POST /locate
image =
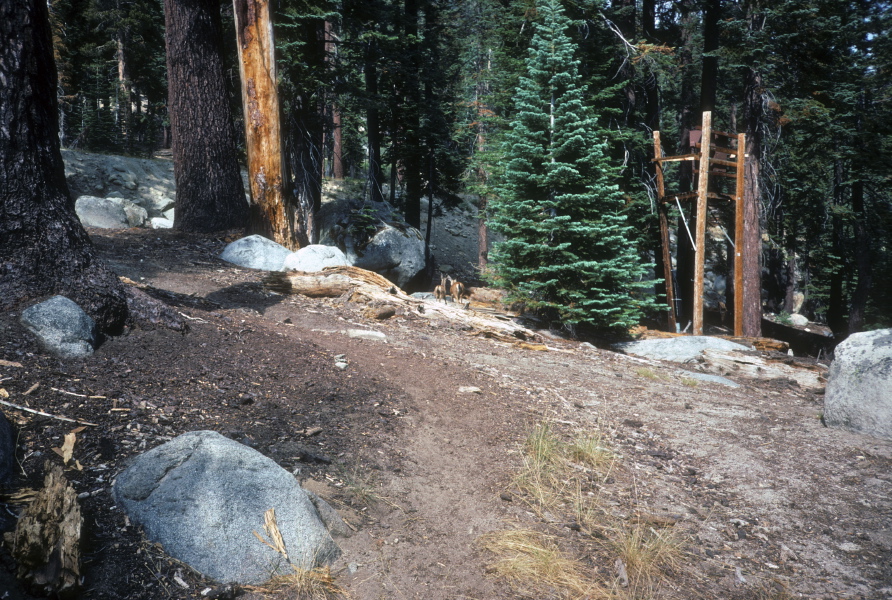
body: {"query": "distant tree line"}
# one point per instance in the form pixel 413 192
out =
pixel 418 98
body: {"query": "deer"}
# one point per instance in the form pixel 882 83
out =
pixel 456 289
pixel 440 290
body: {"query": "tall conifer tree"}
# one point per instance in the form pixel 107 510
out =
pixel 568 251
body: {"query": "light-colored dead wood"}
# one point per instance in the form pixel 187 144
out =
pixel 365 287
pixel 272 215
pixel 723 362
pixel 46 540
pixel 738 236
pixel 700 243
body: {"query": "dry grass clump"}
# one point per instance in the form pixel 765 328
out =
pixel 645 552
pixel 535 566
pixel 610 558
pixel 315 584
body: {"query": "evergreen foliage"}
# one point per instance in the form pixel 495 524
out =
pixel 568 252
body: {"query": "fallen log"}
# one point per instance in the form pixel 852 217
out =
pixel 365 287
pixel 723 362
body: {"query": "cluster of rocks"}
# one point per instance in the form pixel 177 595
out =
pixel 114 192
pixel 396 254
pixel 858 394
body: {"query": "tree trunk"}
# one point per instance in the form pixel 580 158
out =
pixel 337 153
pixel 210 195
pixel 412 157
pixel 305 136
pixel 373 122
pixel 685 248
pixel 44 250
pixel 752 202
pixel 274 212
pixel 710 74
pixel 862 260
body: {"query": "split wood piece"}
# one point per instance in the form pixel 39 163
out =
pixel 46 540
pixel 365 287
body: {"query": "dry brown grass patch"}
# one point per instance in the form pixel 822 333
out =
pixel 533 564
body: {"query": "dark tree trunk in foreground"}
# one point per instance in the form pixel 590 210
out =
pixel 210 195
pixel 44 250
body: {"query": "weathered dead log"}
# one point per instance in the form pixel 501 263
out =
pixel 734 363
pixel 365 287
pixel 46 540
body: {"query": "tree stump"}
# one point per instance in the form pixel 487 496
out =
pixel 46 540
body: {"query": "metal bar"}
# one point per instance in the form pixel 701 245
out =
pixel 685 221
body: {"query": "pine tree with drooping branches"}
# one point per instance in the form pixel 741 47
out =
pixel 568 251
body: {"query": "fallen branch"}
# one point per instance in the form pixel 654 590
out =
pixel 45 414
pixel 78 395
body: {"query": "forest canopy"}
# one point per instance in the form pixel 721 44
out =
pixel 417 97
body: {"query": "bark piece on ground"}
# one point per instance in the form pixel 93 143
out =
pixel 46 540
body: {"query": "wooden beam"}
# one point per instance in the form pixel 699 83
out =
pixel 663 159
pixel 700 250
pixel 738 237
pixel 664 234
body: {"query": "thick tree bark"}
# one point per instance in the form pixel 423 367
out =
pixel 337 154
pixel 210 194
pixel 44 250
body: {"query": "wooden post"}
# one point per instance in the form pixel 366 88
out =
pixel 738 236
pixel 664 233
pixel 700 250
pixel 269 215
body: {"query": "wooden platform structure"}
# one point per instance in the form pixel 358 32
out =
pixel 711 159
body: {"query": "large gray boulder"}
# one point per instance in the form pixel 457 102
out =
pixel 202 496
pixel 859 386
pixel 374 238
pixel 61 327
pixel 686 348
pixel 395 253
pixel 256 252
pixel 315 257
pixel 104 213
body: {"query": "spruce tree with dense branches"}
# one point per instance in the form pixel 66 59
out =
pixel 568 251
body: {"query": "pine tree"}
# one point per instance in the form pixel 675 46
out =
pixel 568 251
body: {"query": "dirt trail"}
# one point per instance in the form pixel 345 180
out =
pixel 750 479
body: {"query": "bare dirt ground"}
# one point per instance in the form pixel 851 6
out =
pixel 767 503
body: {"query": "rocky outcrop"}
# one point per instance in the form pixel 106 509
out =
pixel 680 349
pixel 859 388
